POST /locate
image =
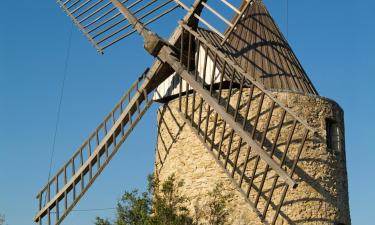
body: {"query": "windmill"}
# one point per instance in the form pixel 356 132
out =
pixel 237 107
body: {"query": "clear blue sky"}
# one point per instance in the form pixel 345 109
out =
pixel 334 40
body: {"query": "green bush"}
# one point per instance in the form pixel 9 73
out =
pixel 2 219
pixel 162 204
pixel 217 206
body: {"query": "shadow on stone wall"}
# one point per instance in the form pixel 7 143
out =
pixel 315 190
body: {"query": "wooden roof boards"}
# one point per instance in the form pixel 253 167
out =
pixel 258 45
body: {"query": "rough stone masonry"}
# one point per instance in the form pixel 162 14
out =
pixel 322 193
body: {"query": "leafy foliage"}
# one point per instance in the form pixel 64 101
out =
pixel 100 221
pixel 168 204
pixel 217 210
pixel 2 219
pixel 162 204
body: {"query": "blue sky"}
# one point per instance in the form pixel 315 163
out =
pixel 334 41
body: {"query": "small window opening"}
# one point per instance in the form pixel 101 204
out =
pixel 333 135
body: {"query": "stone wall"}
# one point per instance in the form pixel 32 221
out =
pixel 322 193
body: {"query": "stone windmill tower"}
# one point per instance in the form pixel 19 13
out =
pixel 237 108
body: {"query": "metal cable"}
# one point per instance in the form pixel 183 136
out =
pixel 61 95
pixel 287 35
pixel 91 210
pixel 287 18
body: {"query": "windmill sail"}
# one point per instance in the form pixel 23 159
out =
pixel 104 25
pixel 65 189
pixel 70 183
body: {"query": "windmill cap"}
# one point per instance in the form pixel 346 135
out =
pixel 260 48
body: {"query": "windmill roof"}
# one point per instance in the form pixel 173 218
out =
pixel 260 48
